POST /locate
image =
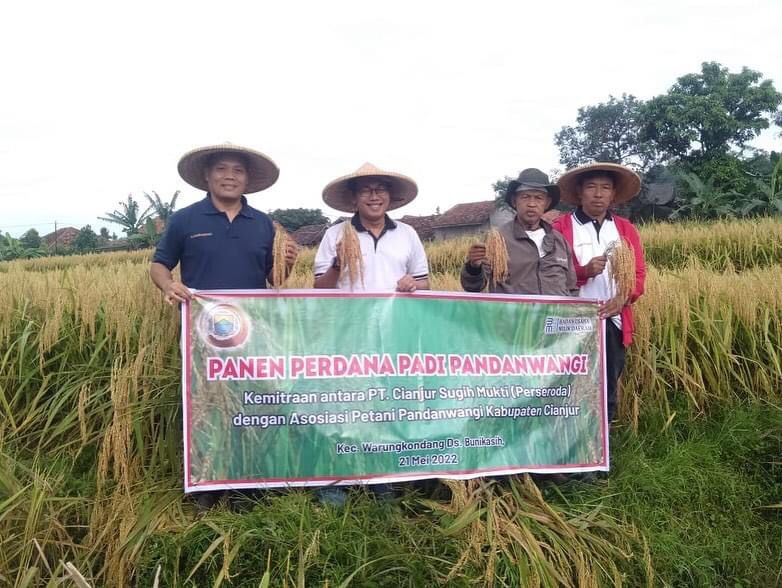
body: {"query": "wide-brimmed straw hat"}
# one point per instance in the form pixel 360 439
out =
pixel 626 182
pixel 532 179
pixel 338 194
pixel 262 172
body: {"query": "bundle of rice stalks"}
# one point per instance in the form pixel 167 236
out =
pixel 497 256
pixel 349 254
pixel 279 247
pixel 516 537
pixel 621 268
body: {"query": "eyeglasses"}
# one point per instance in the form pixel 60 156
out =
pixel 369 190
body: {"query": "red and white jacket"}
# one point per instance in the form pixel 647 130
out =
pixel 626 229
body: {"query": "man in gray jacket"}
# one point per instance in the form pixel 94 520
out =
pixel 539 259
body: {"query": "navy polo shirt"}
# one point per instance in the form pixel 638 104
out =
pixel 215 253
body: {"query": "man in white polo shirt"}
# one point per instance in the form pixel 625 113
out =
pixel 393 256
pixel 590 230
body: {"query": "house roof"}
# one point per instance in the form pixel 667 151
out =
pixel 309 235
pixel 63 236
pixel 466 214
pixel 422 225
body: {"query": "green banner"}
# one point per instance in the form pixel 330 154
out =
pixel 307 388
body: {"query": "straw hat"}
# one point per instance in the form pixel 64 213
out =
pixel 626 182
pixel 338 194
pixel 532 179
pixel 262 172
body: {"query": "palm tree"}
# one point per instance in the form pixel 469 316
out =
pixel 128 216
pixel 11 248
pixel 162 210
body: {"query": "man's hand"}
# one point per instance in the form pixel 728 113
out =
pixel 291 253
pixel 176 292
pixel 611 308
pixel 476 256
pixel 406 284
pixel 595 266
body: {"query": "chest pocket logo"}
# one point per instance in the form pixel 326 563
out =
pixel 200 235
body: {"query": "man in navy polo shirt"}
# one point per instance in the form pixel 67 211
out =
pixel 221 242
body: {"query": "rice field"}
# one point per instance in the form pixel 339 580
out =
pixel 91 447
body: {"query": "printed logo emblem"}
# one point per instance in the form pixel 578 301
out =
pixel 558 324
pixel 224 326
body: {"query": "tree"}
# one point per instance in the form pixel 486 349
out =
pixel 10 248
pixel 293 218
pixel 706 114
pixel 705 200
pixel 608 131
pixel 30 240
pixel 104 234
pixel 147 237
pixel 128 216
pixel 768 198
pixel 500 187
pixel 162 210
pixel 85 241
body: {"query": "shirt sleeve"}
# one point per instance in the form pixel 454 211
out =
pixel 640 264
pixel 327 250
pixel 417 266
pixel 473 279
pixel 169 249
pixel 571 280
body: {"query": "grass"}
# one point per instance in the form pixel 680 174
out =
pixel 90 448
pixel 704 496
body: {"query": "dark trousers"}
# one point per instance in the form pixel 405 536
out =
pixel 615 363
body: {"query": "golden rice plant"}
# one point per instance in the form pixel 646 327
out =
pixel 279 250
pixel 89 378
pixel 621 268
pixel 549 547
pixel 741 244
pixel 712 338
pixel 349 254
pixel 447 257
pixel 497 256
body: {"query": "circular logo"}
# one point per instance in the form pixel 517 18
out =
pixel 225 326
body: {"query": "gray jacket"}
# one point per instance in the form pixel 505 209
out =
pixel 528 273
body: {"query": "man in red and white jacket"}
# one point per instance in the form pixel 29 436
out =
pixel 590 230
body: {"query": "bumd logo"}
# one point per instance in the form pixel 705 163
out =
pixel 558 324
pixel 224 326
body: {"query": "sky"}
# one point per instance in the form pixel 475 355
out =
pixel 100 99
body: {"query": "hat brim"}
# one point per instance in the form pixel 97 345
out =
pixel 551 189
pixel 339 196
pixel 627 183
pixel 262 172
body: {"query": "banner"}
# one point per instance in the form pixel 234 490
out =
pixel 307 388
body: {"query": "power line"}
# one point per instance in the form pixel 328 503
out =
pixel 35 224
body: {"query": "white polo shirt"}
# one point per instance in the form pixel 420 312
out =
pixel 591 240
pixel 396 252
